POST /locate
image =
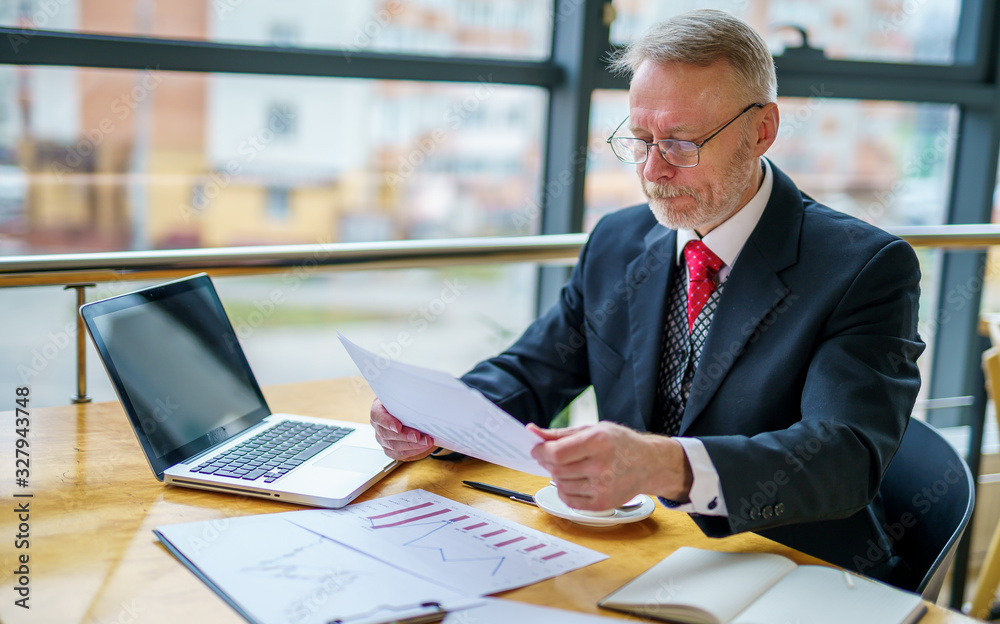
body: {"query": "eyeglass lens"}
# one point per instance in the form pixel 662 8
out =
pixel 677 153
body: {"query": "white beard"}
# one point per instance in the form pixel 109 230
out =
pixel 720 202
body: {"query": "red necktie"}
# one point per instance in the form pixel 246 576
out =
pixel 702 265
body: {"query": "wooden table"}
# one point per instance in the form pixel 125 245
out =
pixel 95 502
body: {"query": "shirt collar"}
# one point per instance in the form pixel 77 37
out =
pixel 728 238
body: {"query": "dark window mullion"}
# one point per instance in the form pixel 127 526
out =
pixel 26 47
pixel 579 40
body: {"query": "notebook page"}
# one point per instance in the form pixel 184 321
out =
pixel 719 583
pixel 820 595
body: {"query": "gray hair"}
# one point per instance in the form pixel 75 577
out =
pixel 701 38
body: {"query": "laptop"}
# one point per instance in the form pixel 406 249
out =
pixel 199 414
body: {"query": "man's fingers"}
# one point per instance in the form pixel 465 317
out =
pixel 552 434
pixel 380 417
pixel 399 441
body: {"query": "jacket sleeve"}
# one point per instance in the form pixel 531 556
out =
pixel 546 368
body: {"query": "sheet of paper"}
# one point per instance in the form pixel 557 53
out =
pixel 450 543
pixel 458 417
pixel 274 572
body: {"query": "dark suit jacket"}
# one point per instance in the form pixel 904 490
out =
pixel 806 380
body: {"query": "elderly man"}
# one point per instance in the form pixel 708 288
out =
pixel 752 351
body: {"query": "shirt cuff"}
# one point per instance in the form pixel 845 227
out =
pixel 706 495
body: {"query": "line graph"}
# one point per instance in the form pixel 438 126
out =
pixel 448 542
pixel 272 570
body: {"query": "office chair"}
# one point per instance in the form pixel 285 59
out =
pixel 930 481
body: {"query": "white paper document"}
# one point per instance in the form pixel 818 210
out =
pixel 458 417
pixel 274 572
pixel 449 543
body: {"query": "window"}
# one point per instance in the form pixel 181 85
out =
pixel 115 159
pixel 278 206
pixel 108 160
pixel 422 26
pixel 903 31
pixel 888 163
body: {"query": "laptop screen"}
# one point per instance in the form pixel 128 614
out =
pixel 177 366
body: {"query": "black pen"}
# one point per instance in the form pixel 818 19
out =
pixel 492 489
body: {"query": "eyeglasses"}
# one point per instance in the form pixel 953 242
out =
pixel 678 153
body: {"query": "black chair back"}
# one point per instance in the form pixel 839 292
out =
pixel 928 493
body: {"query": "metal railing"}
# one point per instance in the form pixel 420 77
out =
pixel 66 269
pixel 80 271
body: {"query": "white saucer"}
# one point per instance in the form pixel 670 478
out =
pixel 548 501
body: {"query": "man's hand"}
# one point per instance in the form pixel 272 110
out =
pixel 602 466
pixel 399 441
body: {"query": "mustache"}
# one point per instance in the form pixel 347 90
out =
pixel 663 191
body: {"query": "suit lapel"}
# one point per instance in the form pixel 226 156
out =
pixel 753 289
pixel 648 279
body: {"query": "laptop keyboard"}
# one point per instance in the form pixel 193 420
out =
pixel 272 453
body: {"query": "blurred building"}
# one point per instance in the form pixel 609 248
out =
pixel 120 159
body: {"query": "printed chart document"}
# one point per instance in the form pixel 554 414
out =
pixel 452 544
pixel 274 572
pixel 709 587
pixel 383 560
pixel 456 416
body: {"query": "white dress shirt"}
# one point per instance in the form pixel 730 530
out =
pixel 726 241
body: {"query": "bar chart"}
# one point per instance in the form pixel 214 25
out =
pixel 448 542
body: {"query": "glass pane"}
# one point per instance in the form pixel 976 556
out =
pixel 112 159
pixel 94 160
pixel 903 31
pixel 502 28
pixel 446 319
pixel 887 163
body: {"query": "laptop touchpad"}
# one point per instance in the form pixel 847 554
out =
pixel 355 459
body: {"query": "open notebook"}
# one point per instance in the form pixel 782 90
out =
pixel 709 587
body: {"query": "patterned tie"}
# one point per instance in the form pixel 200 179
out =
pixel 702 265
